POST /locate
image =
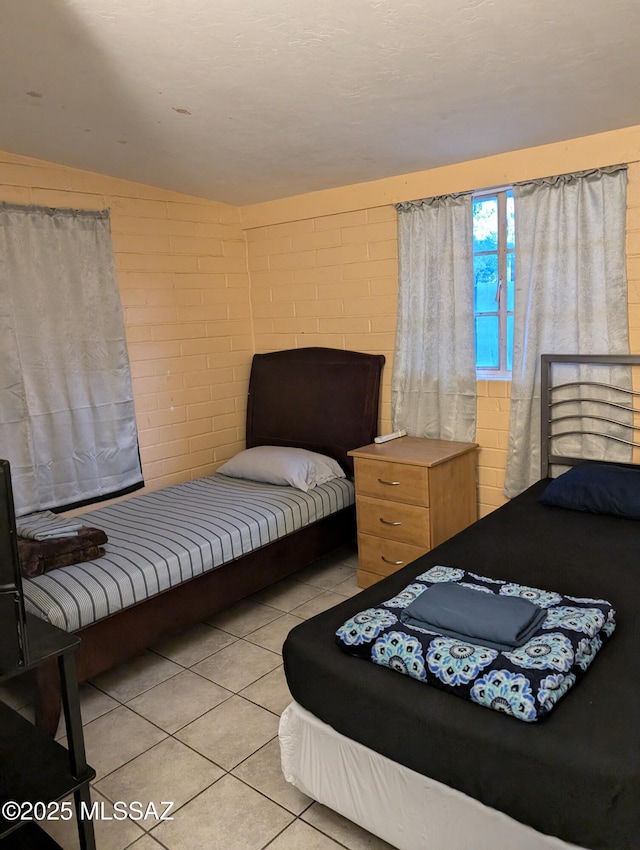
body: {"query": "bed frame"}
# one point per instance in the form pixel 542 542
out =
pixel 603 396
pixel 320 399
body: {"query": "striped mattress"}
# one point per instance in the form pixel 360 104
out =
pixel 160 539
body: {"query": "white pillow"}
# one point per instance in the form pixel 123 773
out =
pixel 283 465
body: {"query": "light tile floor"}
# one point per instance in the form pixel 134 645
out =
pixel 194 721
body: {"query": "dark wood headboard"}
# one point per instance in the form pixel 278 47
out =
pixel 322 399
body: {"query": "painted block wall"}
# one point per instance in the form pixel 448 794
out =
pixel 327 281
pixel 181 268
pixel 322 278
pixel 204 285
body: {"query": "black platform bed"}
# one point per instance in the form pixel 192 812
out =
pixel 575 774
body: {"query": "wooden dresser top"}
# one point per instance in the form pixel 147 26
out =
pixel 419 451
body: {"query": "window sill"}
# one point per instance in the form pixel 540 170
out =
pixel 492 375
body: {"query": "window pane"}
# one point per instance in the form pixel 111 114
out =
pixel 511 218
pixel 487 342
pixel 511 281
pixel 485 275
pixel 509 343
pixel 485 224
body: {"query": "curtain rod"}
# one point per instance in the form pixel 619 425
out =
pixel 492 190
pixel 63 211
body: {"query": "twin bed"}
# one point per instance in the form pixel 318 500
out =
pixel 178 555
pixel 426 770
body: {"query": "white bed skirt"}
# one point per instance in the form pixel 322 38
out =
pixel 406 809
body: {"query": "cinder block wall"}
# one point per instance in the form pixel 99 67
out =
pixel 330 278
pixel 199 279
pixel 181 267
pixel 328 281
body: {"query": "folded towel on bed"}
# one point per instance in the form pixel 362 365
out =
pixel 500 622
pixel 525 682
pixel 45 525
pixel 41 556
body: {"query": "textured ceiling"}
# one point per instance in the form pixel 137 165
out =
pixel 248 100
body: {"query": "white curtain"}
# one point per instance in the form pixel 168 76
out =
pixel 67 422
pixel 570 298
pixel 433 392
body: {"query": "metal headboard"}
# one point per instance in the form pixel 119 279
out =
pixel 549 406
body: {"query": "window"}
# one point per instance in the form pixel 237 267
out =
pixel 493 275
pixel 67 419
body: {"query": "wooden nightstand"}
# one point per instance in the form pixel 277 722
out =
pixel 411 494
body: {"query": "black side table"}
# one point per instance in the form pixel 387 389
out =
pixel 33 767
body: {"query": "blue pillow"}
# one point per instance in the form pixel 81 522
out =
pixel 600 488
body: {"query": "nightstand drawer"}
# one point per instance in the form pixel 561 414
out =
pixel 384 557
pixel 400 482
pixel 393 520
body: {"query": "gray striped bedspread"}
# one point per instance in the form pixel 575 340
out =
pixel 160 539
